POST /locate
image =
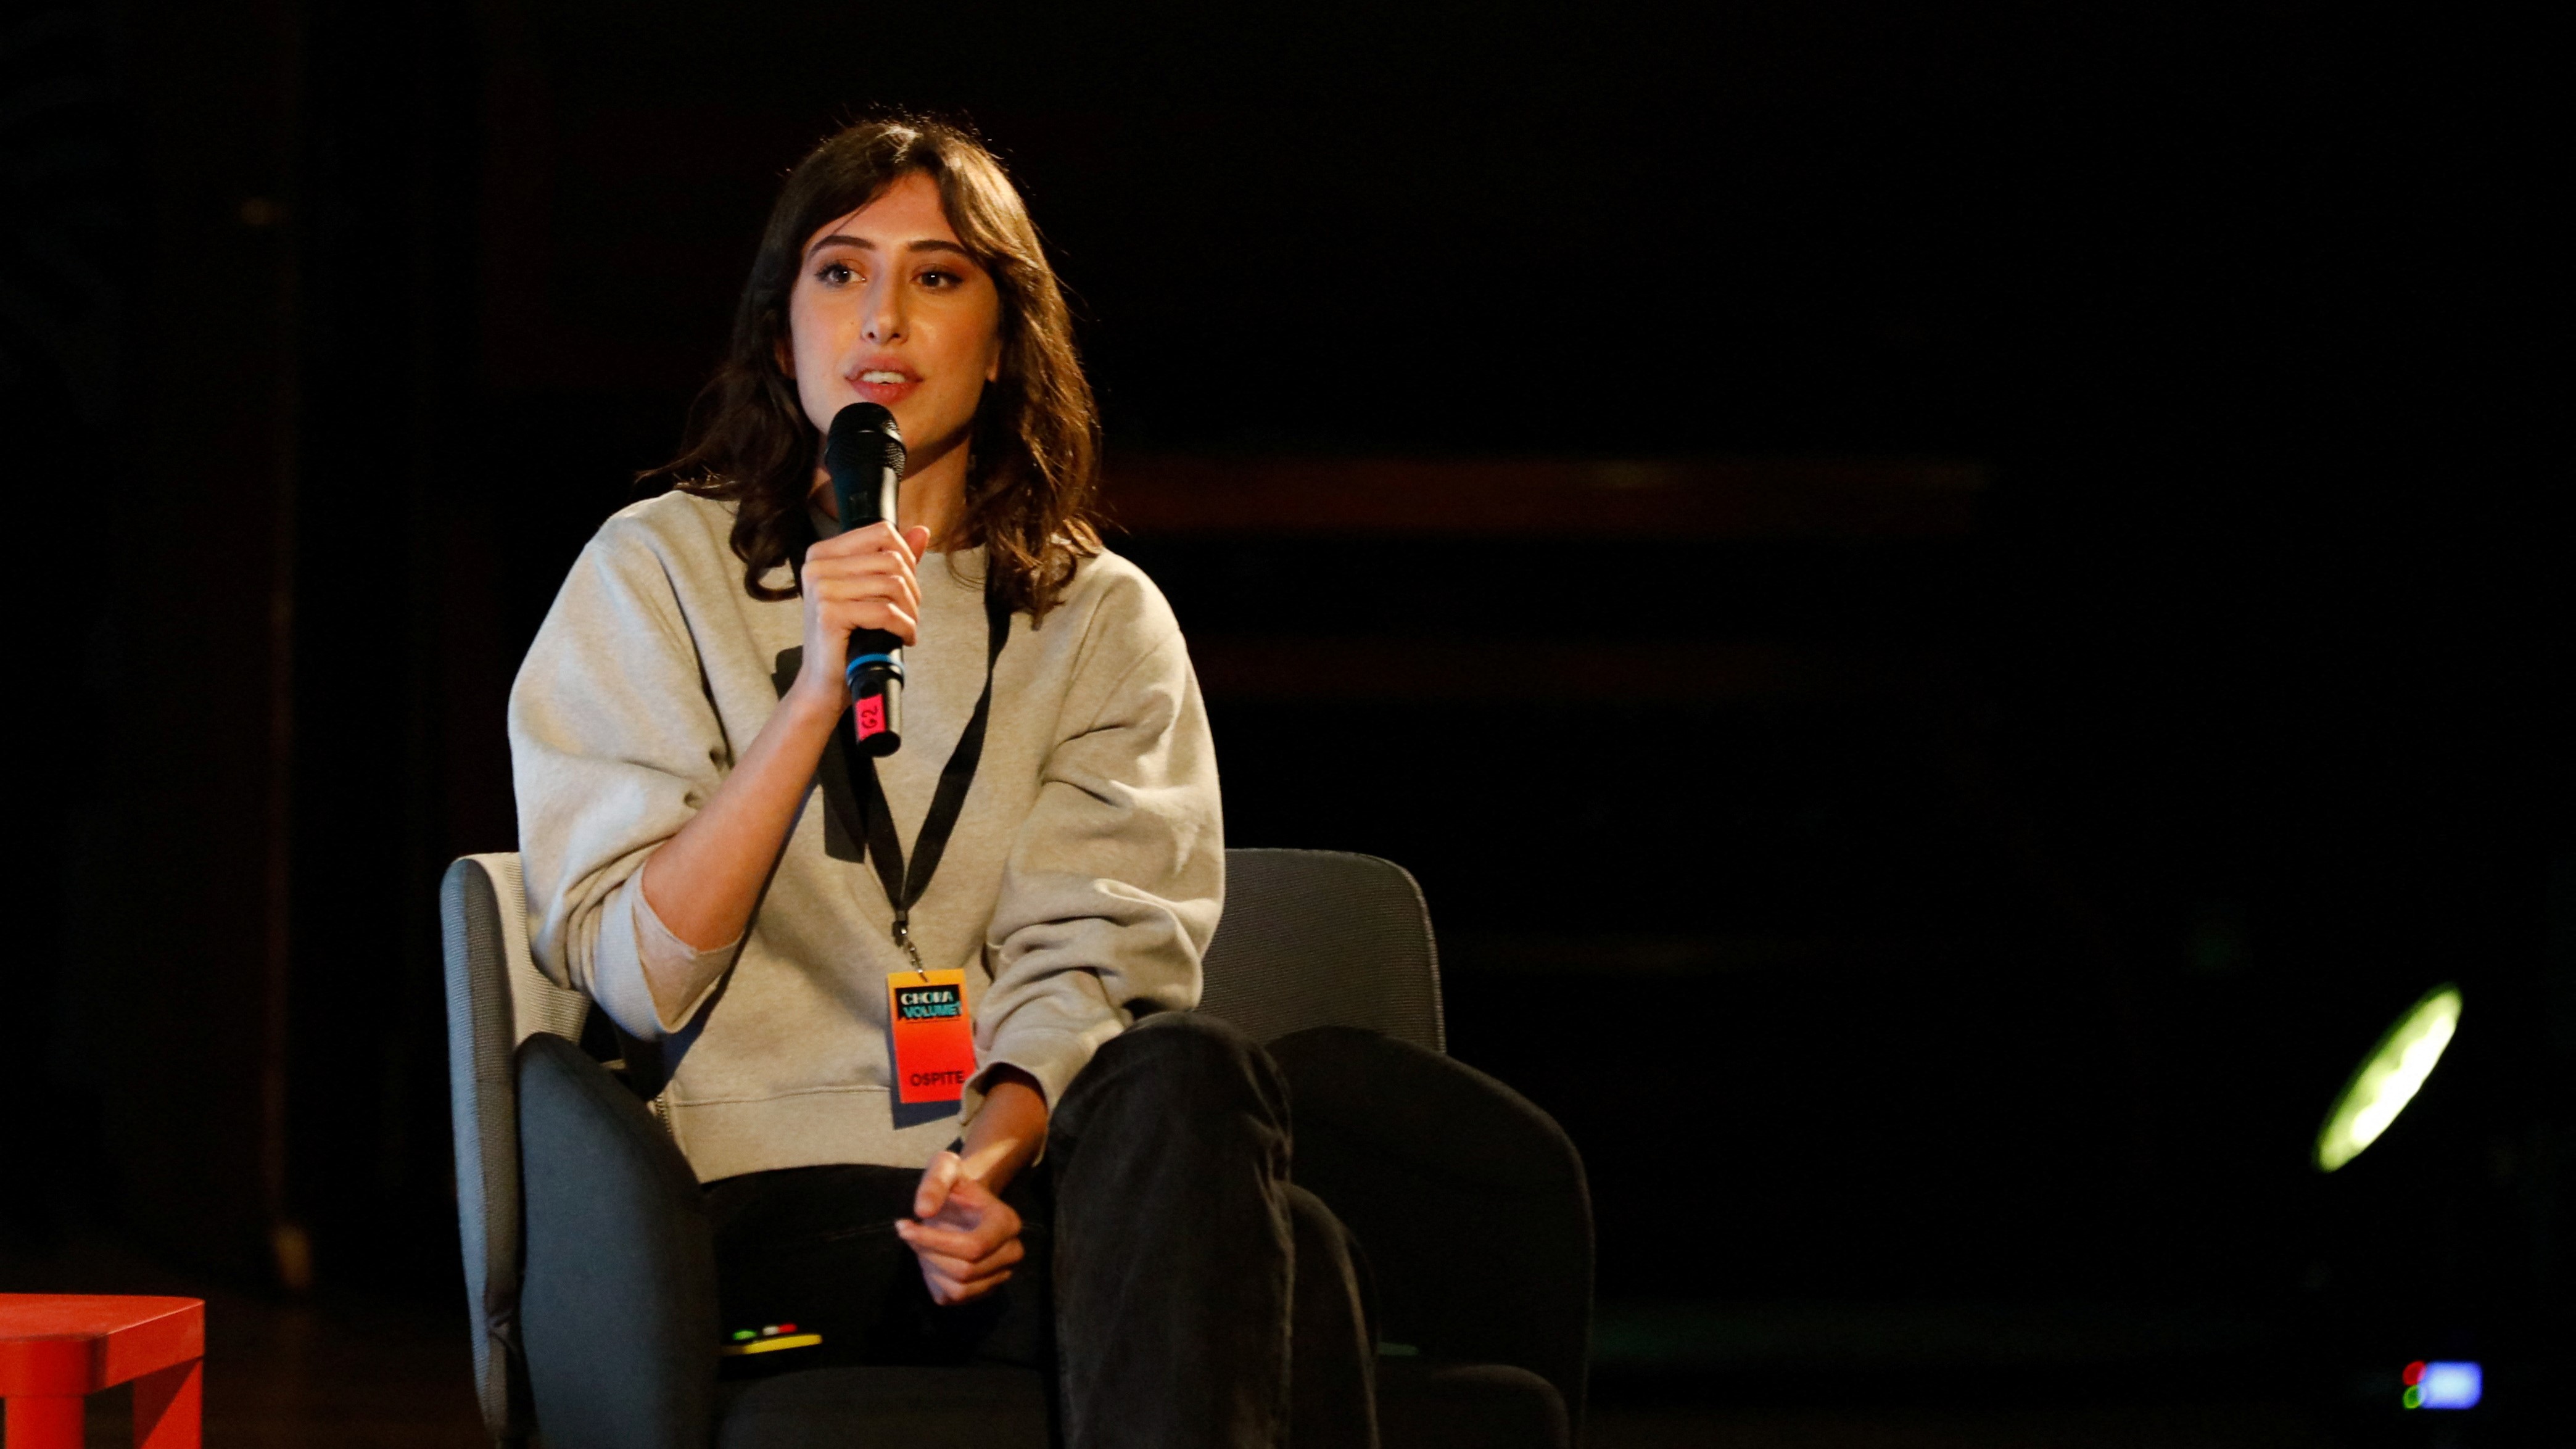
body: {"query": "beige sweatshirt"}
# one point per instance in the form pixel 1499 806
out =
pixel 1080 888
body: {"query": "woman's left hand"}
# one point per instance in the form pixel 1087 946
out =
pixel 966 1238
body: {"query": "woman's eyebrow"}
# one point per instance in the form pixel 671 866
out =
pixel 931 244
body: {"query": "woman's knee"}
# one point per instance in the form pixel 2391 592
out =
pixel 1186 1057
pixel 1190 1043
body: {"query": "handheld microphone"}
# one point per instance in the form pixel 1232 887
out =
pixel 864 455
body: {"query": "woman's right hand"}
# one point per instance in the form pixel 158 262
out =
pixel 860 580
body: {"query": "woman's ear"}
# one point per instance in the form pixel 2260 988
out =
pixel 778 354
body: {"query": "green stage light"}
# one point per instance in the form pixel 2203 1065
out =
pixel 2389 1077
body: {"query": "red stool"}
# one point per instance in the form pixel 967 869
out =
pixel 57 1348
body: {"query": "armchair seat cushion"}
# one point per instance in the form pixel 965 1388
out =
pixel 1429 1405
pixel 1421 1405
pixel 982 1407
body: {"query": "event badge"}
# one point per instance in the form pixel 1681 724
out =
pixel 934 1044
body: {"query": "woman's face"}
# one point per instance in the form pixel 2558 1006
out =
pixel 889 307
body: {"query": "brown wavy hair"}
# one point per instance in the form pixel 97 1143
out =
pixel 1033 455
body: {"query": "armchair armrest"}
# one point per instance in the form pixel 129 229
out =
pixel 618 1307
pixel 1469 1201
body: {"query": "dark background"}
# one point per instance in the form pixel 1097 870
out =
pixel 2000 941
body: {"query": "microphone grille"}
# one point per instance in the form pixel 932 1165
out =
pixel 864 437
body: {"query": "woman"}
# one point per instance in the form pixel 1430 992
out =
pixel 695 828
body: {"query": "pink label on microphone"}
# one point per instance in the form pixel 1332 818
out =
pixel 871 711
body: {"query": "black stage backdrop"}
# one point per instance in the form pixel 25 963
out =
pixel 1988 905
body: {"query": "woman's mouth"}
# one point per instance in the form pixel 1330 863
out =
pixel 884 384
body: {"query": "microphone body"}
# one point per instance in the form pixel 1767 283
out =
pixel 863 453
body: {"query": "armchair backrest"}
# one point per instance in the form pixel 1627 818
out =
pixel 1323 938
pixel 1309 938
pixel 496 999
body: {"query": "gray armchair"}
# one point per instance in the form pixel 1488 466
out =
pixel 590 1275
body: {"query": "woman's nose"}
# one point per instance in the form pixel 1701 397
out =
pixel 884 320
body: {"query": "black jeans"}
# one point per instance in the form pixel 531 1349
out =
pixel 1180 1289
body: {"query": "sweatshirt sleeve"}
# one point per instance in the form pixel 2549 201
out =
pixel 1115 881
pixel 614 745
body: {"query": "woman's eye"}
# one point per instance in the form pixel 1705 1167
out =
pixel 835 273
pixel 936 279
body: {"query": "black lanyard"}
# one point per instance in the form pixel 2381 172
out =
pixel 903 887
